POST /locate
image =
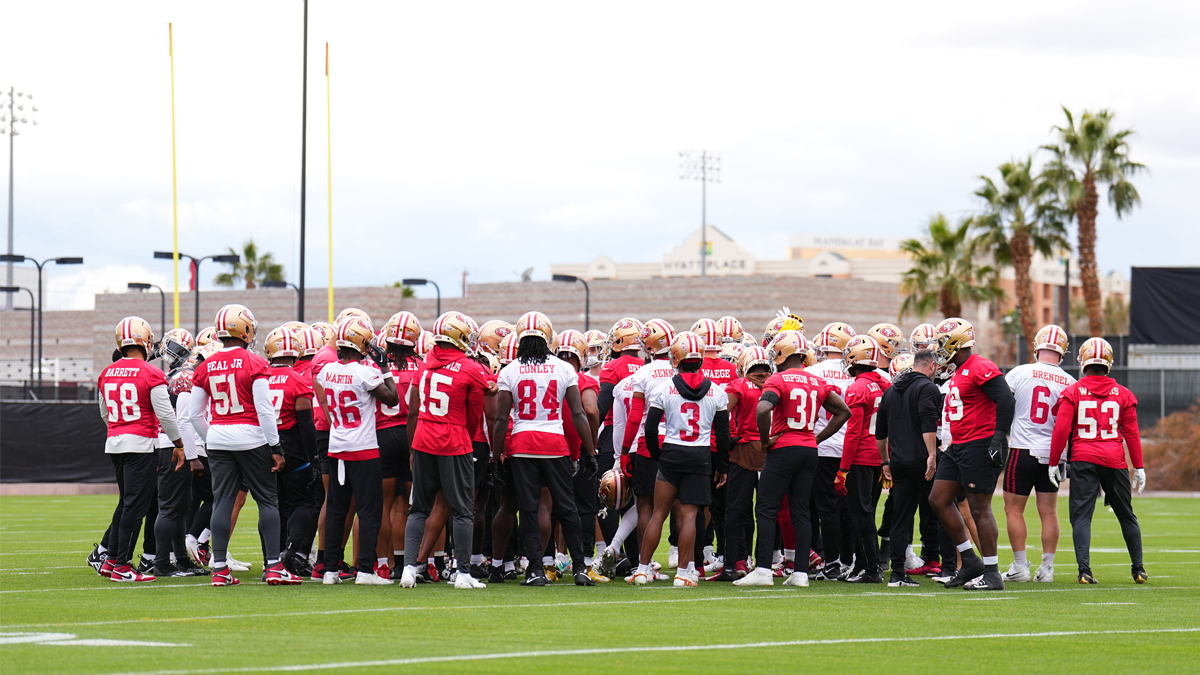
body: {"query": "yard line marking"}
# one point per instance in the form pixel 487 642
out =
pixel 1109 603
pixel 539 605
pixel 1009 597
pixel 650 649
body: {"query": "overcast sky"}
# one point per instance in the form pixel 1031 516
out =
pixel 500 136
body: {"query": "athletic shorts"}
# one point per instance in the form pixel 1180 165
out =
pixel 323 450
pixel 969 465
pixel 483 455
pixel 689 469
pixel 393 453
pixel 645 472
pixel 1024 473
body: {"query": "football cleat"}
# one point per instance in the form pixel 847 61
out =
pixel 1045 574
pixel 722 575
pixel 551 572
pixel 496 575
pixel 1018 573
pixel 709 556
pixel 913 561
pixel 318 572
pixel 383 571
pixel 597 577
pixel 637 579
pixel 170 571
pixel 145 565
pixel 106 569
pixel 608 562
pixel 236 565
pixel 990 581
pixel 582 578
pixel 427 574
pixel 849 572
pixel 867 577
pixel 797 579
pixel 331 578
pixel 278 575
pixel 685 580
pixel 1087 579
pixel 126 573
pixel 829 572
pixel 408 579
pixel 535 578
pixel 95 559
pixel 761 576
pixel 659 576
pixel 1140 576
pixel 814 561
pixel 901 581
pixel 655 565
pixel 223 577
pixel 193 570
pixel 717 566
pixel 972 568
pixel 929 569
pixel 345 572
pixel 673 557
pixel 466 581
pixel 372 579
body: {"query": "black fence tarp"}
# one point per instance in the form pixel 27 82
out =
pixel 44 442
pixel 1164 306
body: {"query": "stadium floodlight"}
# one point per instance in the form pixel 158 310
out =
pixel 705 167
pixel 587 297
pixel 422 282
pixel 8 125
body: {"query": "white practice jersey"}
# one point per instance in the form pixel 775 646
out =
pixel 351 408
pixel 1036 386
pixel 687 422
pixel 831 370
pixel 622 402
pixel 538 390
pixel 644 381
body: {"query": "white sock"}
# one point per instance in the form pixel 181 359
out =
pixel 204 536
pixel 908 552
pixel 398 553
pixel 600 546
pixel 965 546
pixel 510 565
pixel 219 565
pixel 628 525
pixel 149 556
pixel 645 569
pixel 991 560
pixel 587 560
pixel 789 554
pixel 476 558
pixel 1048 559
pixel 497 563
pixel 100 549
pixel 547 561
pixel 1020 558
pixel 691 566
pixel 430 561
pixel 381 561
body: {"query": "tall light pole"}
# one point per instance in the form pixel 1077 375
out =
pixel 135 286
pixel 587 297
pixel 422 282
pixel 32 309
pixel 232 259
pixel 11 258
pixel 12 113
pixel 303 159
pixel 705 167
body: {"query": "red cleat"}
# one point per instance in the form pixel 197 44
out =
pixel 383 571
pixel 278 575
pixel 126 573
pixel 106 569
pixel 222 577
pixel 814 561
pixel 929 569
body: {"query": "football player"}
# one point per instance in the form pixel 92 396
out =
pixel 923 338
pixel 720 372
pixel 400 335
pixel 200 510
pixel 785 418
pixel 134 404
pixel 1036 388
pixel 540 386
pixel 890 340
pixel 624 359
pixel 980 410
pixel 611 562
pixel 503 567
pixel 484 466
pixel 830 506
pixel 691 409
pixel 571 346
pixel 300 491
pixel 450 391
pixel 597 343
pixel 350 389
pixel 785 320
pixel 860 467
pixel 1094 415
pixel 242 440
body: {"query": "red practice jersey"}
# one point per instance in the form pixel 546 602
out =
pixel 450 389
pixel 743 420
pixel 863 396
pixel 479 428
pixel 304 369
pixel 1096 413
pixel 286 386
pixel 228 376
pixel 613 372
pixel 718 370
pixel 324 356
pixel 971 413
pixel 794 417
pixel 574 443
pixel 125 386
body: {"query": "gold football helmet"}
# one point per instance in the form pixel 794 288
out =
pixel 402 329
pixel 492 333
pixel 457 330
pixel 573 342
pixel 923 336
pixel 206 335
pixel 753 356
pixel 687 346
pixel 493 363
pixel 349 312
pixel 731 351
pixel 597 342
pixel 901 363
pixel 787 343
pixel 657 336
pixel 307 342
pixel 708 331
pixel 237 321
pixel 326 333
pixel 1054 338
pixel 536 324
pixel 204 351
pixel 281 342
pixel 355 332
pixel 295 326
pixel 135 331
pixel 1095 351
pixel 834 337
pixel 786 320
pixel 176 347
pixel 625 334
pixel 889 337
pixel 749 341
pixel 952 335
pixel 508 348
pixel 615 490
pixel 862 350
pixel 425 343
pixel 731 329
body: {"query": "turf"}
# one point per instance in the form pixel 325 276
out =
pixel 45 587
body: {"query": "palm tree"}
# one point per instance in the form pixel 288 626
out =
pixel 945 271
pixel 1088 153
pixel 253 268
pixel 1022 217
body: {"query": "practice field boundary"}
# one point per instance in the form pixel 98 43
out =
pixel 651 649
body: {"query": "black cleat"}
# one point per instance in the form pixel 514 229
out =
pixel 1140 576
pixel 624 568
pixel 535 578
pixel 723 575
pixel 829 572
pixel 901 581
pixel 194 570
pixel 866 577
pixel 972 568
pixel 95 559
pixel 145 565
pixel 582 579
pixel 990 581
pixel 1086 578
pixel 496 575
pixel 510 575
pixel 479 572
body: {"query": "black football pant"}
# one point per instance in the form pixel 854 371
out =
pixel 230 468
pixel 909 490
pixel 787 471
pixel 885 523
pixel 135 473
pixel 1087 480
pixel 360 481
pixel 200 511
pixel 836 529
pixel 554 474
pixel 739 513
pixel 301 495
pixel 861 500
pixel 174 488
pixel 587 503
pixel 715 534
pixel 454 476
pixel 605 460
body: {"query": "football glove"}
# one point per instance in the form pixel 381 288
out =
pixel 1139 477
pixel 839 483
pixel 626 465
pixel 378 356
pixel 998 450
pixel 590 467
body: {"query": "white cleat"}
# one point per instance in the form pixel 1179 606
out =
pixel 673 557
pixel 331 578
pixel 709 555
pixel 912 562
pixel 637 579
pixel 237 565
pixel 408 579
pixel 685 580
pixel 371 579
pixel 1017 573
pixel 1045 573
pixel 193 548
pixel 758 577
pixel 464 580
pixel 797 579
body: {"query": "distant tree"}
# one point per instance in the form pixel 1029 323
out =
pixel 253 268
pixel 1087 153
pixel 1116 316
pixel 405 291
pixel 945 271
pixel 1022 216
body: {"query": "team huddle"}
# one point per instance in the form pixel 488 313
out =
pixel 511 452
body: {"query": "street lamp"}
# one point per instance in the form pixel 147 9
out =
pixel 12 111
pixel 587 297
pixel 272 283
pixel 14 289
pixel 231 258
pixel 134 286
pixel 10 258
pixel 422 282
pixel 705 167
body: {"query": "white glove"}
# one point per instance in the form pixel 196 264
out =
pixel 1053 475
pixel 1139 478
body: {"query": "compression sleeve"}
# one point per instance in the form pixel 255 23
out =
pixel 266 411
pixel 653 417
pixel 634 421
pixel 721 429
pixel 307 432
pixel 604 400
pixel 997 390
pixel 160 400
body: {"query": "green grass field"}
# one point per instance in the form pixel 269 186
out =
pixel 45 588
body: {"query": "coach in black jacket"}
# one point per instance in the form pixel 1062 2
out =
pixel 906 431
